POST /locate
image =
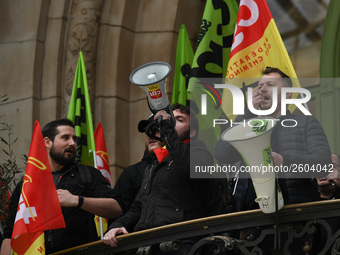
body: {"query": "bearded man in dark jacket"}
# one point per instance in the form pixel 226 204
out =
pixel 79 198
pixel 168 194
pixel 304 144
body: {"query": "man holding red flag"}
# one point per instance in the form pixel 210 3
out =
pixel 82 192
pixel 33 216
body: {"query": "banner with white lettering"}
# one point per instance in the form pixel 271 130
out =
pixel 257 44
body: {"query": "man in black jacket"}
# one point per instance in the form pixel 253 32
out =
pixel 300 141
pixel 168 194
pixel 304 144
pixel 80 200
pixel 130 180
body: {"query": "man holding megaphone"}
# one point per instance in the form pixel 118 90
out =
pixel 301 143
pixel 168 194
pixel 305 144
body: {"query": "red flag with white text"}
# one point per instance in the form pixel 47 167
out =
pixel 39 208
pixel 257 44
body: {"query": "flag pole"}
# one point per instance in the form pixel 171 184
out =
pixel 100 218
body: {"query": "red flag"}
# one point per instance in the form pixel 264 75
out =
pixel 101 152
pixel 39 208
pixel 257 44
pixel 102 165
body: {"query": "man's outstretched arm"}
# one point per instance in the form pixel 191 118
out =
pixel 104 207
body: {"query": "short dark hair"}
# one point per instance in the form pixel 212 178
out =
pixel 187 110
pixel 286 79
pixel 50 129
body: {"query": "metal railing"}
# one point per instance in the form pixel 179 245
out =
pixel 308 228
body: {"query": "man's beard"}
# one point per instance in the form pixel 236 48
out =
pixel 59 157
pixel 185 135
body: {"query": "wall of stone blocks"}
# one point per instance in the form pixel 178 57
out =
pixel 39 45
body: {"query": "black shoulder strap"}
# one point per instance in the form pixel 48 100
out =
pixel 86 178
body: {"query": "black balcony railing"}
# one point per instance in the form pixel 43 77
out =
pixel 308 228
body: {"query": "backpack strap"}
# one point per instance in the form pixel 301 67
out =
pixel 86 178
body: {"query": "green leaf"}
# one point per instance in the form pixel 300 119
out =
pixel 4 141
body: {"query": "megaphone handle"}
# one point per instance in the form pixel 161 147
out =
pixel 172 120
pixel 149 132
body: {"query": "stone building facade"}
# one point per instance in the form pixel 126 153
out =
pixel 40 41
pixel 39 45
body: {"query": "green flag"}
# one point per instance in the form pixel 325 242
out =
pixel 184 57
pixel 80 114
pixel 211 60
pixel 215 39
